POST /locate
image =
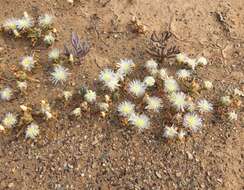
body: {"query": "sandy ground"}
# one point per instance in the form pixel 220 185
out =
pixel 90 153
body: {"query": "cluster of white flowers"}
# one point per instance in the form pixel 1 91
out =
pixel 127 110
pixel 110 79
pixel 182 103
pixel 191 63
pixel 187 111
pixel 26 23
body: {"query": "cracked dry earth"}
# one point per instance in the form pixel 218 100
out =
pixel 91 153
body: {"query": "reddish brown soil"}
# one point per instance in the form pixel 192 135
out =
pixel 90 153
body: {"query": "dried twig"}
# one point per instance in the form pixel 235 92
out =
pixel 160 48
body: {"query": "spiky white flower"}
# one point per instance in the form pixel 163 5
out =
pixel 113 84
pixel 170 132
pixel 163 73
pixel 107 75
pixel 125 66
pixel 183 74
pixel 32 131
pixel 25 23
pixel 126 108
pixel 225 100
pixel 192 63
pixel 208 85
pixel 22 85
pixel 49 39
pixel 54 54
pixel 153 103
pixel 45 21
pixel 181 134
pixel 6 93
pixel 90 96
pixel 10 24
pixel 137 88
pixel 232 116
pixel 171 85
pixel 192 121
pixel 202 61
pixel 149 81
pixel 139 121
pixel 9 120
pixel 152 67
pixel 181 58
pixel 204 106
pixel 178 100
pixel 27 63
pixel 60 74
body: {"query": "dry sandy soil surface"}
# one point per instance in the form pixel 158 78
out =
pixel 91 153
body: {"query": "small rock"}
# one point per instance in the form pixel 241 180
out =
pixel 10 185
pixel 178 174
pixel 220 180
pixel 95 142
pixel 189 155
pixel 158 175
pixel 70 1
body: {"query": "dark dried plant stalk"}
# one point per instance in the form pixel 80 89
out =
pixel 160 48
pixel 79 50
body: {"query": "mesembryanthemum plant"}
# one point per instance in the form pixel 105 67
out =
pixel 32 131
pixel 9 120
pixel 6 93
pixel 59 75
